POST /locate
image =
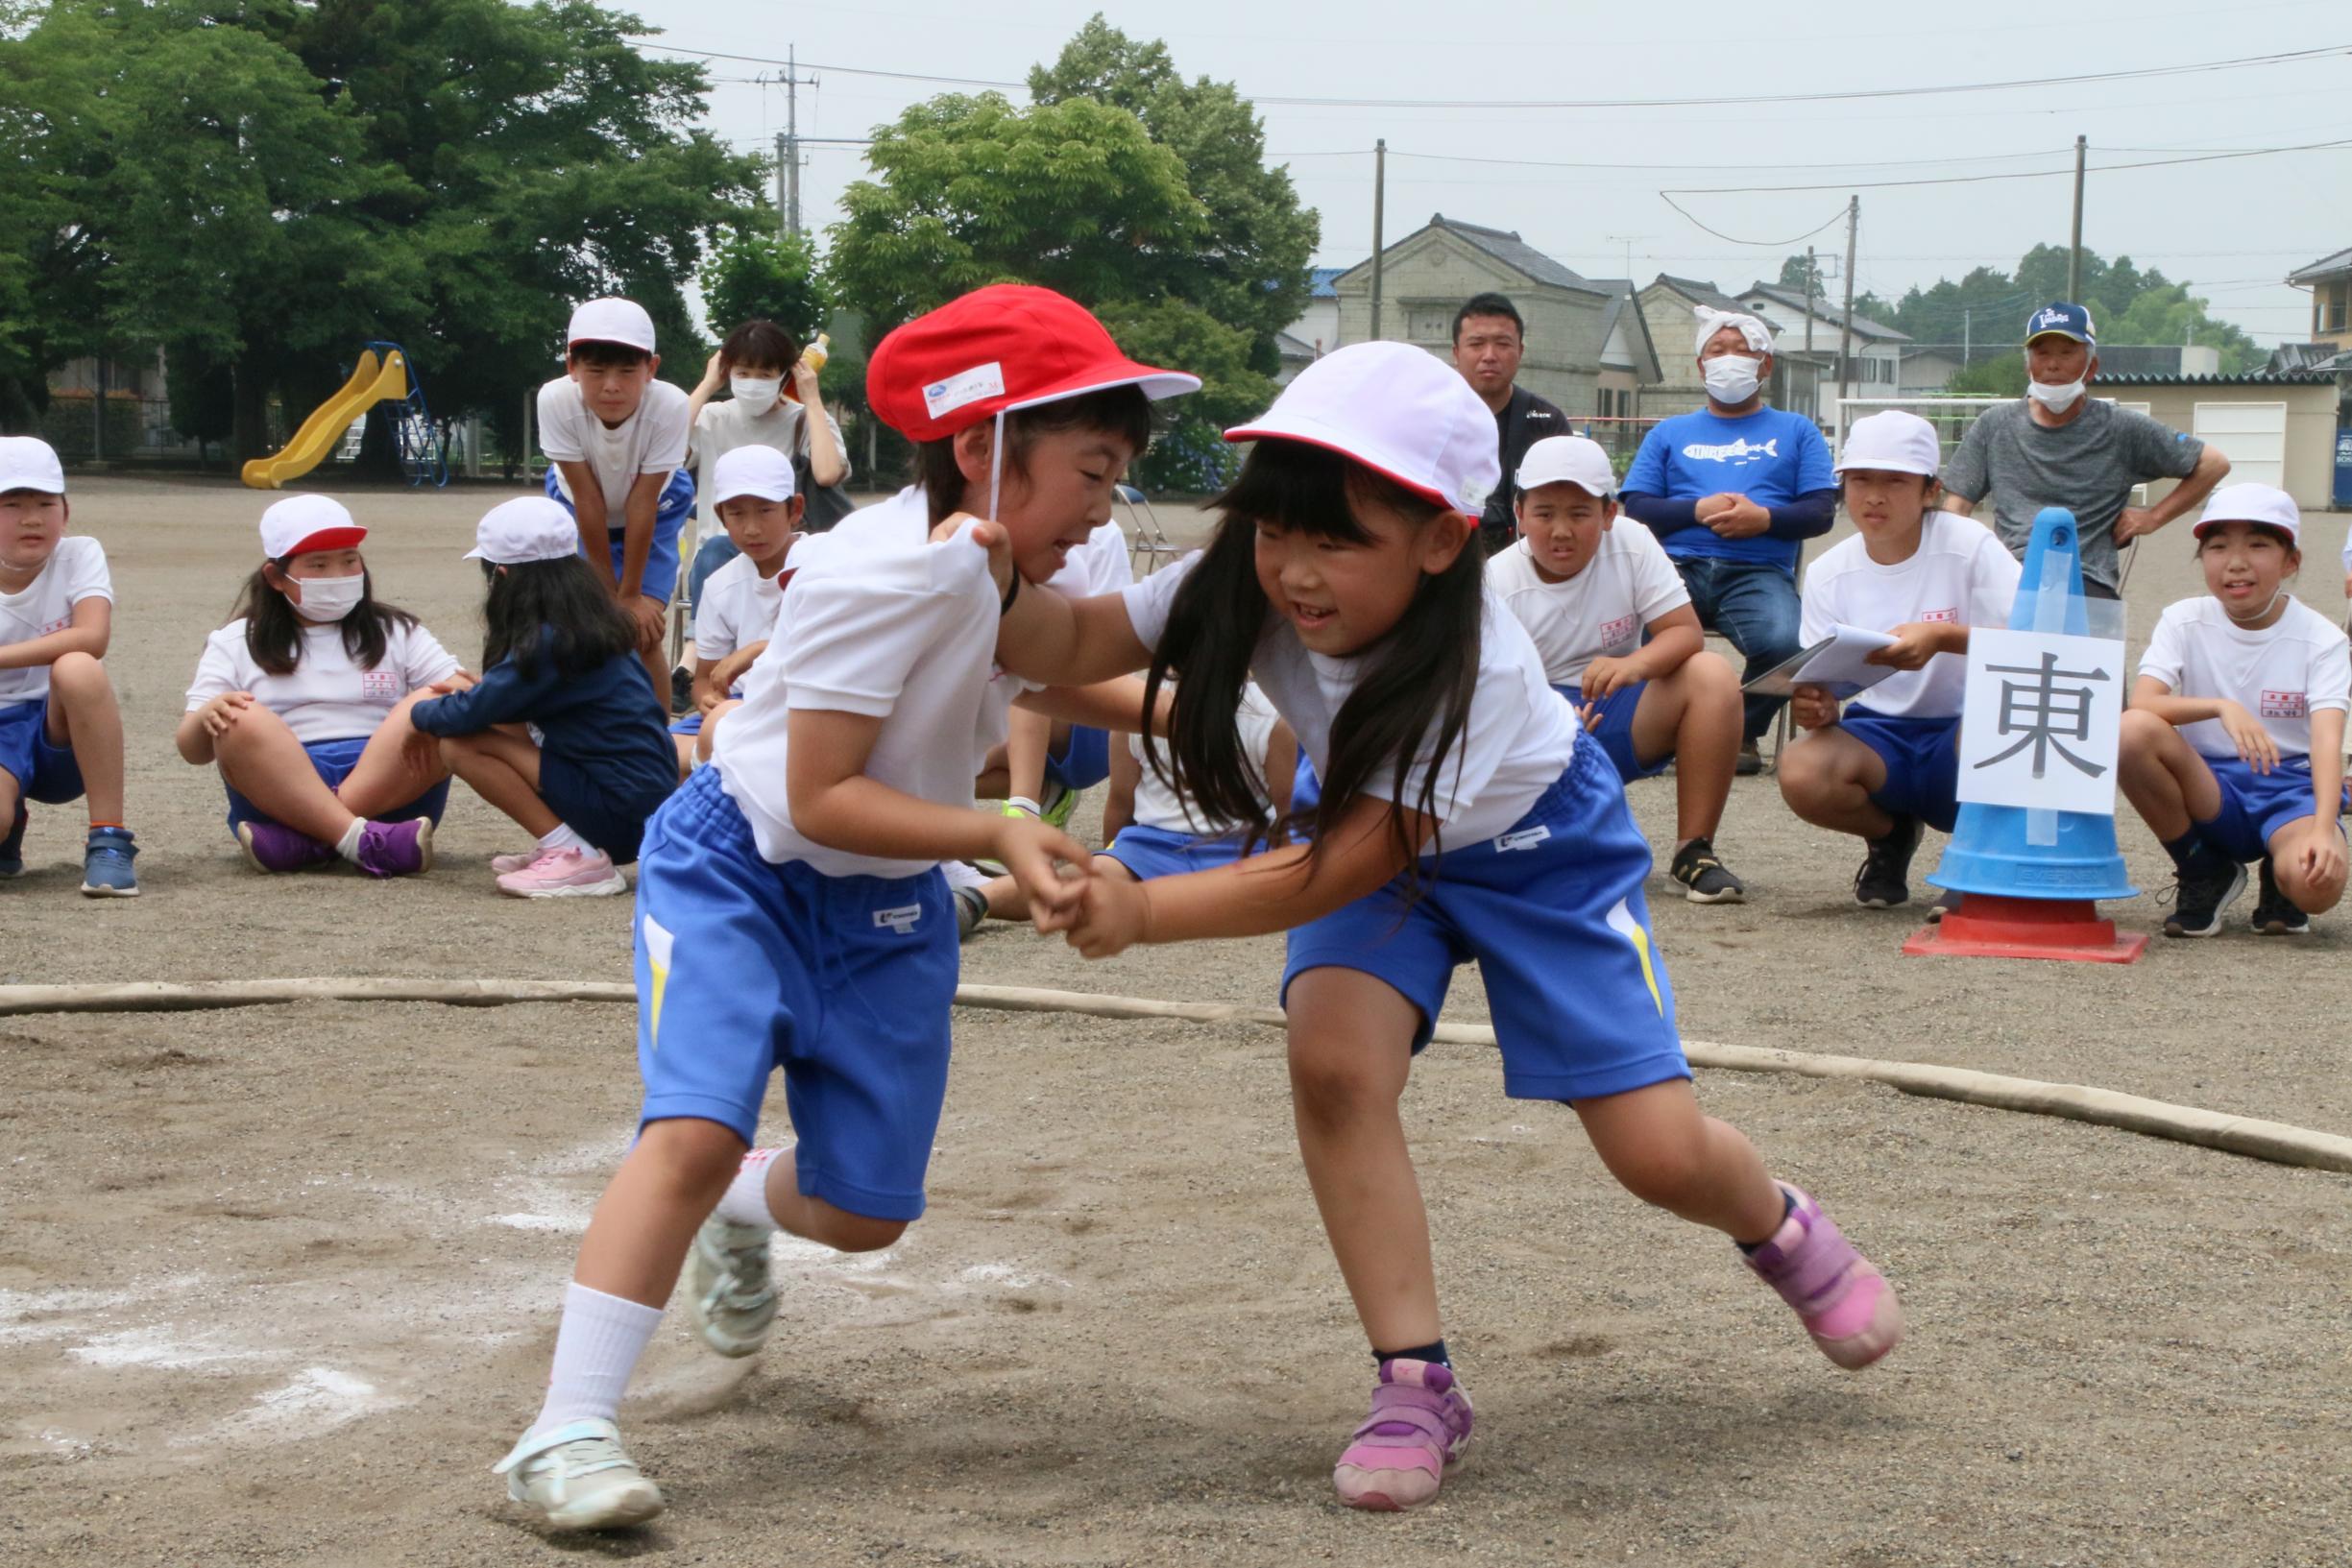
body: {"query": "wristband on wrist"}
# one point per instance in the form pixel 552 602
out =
pixel 1022 806
pixel 1012 591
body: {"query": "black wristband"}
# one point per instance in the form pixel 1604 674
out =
pixel 1012 591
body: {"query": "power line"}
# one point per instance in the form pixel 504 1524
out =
pixel 2021 174
pixel 1761 244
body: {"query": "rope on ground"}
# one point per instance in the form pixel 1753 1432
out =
pixel 2275 1141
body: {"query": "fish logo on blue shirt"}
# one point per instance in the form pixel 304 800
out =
pixel 1742 451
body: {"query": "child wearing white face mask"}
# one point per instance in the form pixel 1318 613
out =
pixel 303 702
pixel 773 395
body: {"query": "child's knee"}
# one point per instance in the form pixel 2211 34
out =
pixel 1710 675
pixel 453 750
pixel 1803 773
pixel 78 676
pixel 2140 731
pixel 693 1154
pixel 1333 1081
pixel 1668 1176
pixel 859 1233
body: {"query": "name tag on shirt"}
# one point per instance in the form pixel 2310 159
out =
pixel 2284 705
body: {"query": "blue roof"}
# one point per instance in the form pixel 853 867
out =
pixel 1319 280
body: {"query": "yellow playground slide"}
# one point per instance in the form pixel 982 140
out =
pixel 372 380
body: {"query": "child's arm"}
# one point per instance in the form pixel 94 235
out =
pixel 500 696
pixel 834 803
pixel 1119 797
pixel 637 518
pixel 1106 705
pixel 1270 892
pixel 200 728
pixel 589 515
pixel 2255 747
pixel 1282 768
pixel 2327 730
pixel 1812 708
pixel 1045 637
pixel 1674 637
pixel 715 678
pixel 828 465
pixel 1916 642
pixel 93 625
pixel 713 376
pixel 1029 735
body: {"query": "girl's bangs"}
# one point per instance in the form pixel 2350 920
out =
pixel 1297 488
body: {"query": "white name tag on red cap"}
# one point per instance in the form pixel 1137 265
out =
pixel 964 387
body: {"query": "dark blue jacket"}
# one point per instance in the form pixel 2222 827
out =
pixel 606 724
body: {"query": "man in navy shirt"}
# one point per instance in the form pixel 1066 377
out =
pixel 1732 491
pixel 1488 340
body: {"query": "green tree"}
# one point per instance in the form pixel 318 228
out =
pixel 754 273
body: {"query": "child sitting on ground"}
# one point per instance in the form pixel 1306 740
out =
pixel 2233 747
pixel 752 489
pixel 1892 760
pixel 1586 591
pixel 60 727
pixel 562 732
pixel 614 439
pixel 304 701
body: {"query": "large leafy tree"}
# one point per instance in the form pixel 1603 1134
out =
pixel 754 273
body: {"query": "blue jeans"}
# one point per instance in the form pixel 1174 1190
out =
pixel 1755 605
pixel 710 555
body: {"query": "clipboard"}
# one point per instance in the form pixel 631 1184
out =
pixel 1834 664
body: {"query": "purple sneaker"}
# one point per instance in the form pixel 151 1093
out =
pixel 1846 1305
pixel 397 849
pixel 1419 1424
pixel 272 846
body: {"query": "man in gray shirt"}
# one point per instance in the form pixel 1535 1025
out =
pixel 2059 447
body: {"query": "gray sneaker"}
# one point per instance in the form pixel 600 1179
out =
pixel 580 1478
pixel 728 1290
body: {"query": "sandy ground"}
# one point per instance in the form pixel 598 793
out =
pixel 277 1285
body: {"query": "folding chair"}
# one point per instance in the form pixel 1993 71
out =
pixel 1149 545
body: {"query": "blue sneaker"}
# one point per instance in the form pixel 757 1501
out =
pixel 13 847
pixel 105 864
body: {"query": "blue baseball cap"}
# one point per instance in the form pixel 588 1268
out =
pixel 2065 319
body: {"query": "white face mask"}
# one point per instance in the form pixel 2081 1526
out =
pixel 1730 378
pixel 2059 397
pixel 757 394
pixel 331 599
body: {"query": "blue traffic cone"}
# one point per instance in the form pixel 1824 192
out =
pixel 2027 893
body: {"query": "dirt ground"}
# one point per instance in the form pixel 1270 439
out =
pixel 279 1285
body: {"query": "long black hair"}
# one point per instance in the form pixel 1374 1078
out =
pixel 560 609
pixel 1412 698
pixel 1124 412
pixel 274 627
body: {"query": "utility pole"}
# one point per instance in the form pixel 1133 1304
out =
pixel 1380 187
pixel 1965 312
pixel 1812 287
pixel 2074 258
pixel 787 146
pixel 1845 326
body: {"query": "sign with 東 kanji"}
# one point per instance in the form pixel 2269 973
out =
pixel 2041 719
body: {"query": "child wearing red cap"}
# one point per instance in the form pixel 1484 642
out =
pixel 791 909
pixel 1343 578
pixel 303 701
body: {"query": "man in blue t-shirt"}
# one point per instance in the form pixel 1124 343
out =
pixel 1732 491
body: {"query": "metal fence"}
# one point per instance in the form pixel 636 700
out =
pixel 139 430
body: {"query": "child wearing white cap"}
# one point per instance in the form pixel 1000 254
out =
pixel 562 732
pixel 753 493
pixel 614 439
pixel 1891 760
pixel 1613 621
pixel 303 700
pixel 60 727
pixel 1462 815
pixel 2233 745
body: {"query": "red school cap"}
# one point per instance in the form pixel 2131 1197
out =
pixel 996 351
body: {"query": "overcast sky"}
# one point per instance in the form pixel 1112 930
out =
pixel 2233 228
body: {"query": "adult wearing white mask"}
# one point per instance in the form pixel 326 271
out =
pixel 1733 491
pixel 2058 445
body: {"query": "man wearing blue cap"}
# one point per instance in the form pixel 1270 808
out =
pixel 2057 447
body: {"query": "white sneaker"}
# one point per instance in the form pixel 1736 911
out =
pixel 580 1478
pixel 728 1290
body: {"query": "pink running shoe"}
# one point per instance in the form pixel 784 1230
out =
pixel 565 873
pixel 504 863
pixel 1844 1303
pixel 1419 1424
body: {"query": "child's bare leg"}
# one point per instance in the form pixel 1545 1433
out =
pixel 813 1219
pixel 652 643
pixel 2314 895
pixel 2162 777
pixel 1351 1052
pixel 1693 714
pixel 706 744
pixel 1663 1151
pixel 398 763
pixel 263 762
pixel 1828 779
pixel 503 769
pixel 646 1218
pixel 84 716
pixel 11 793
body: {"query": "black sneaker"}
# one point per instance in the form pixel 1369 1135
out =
pixel 1705 879
pixel 1885 877
pixel 2199 899
pixel 681 691
pixel 2274 912
pixel 971 908
pixel 1751 760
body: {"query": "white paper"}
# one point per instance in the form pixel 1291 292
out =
pixel 1834 664
pixel 2043 720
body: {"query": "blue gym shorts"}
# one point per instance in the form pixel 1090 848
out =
pixel 1923 764
pixel 676 505
pixel 1084 758
pixel 2254 806
pixel 691 724
pixel 1156 852
pixel 844 982
pixel 44 771
pixel 1615 731
pixel 333 762
pixel 1554 913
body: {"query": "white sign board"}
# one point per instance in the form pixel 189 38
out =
pixel 2043 718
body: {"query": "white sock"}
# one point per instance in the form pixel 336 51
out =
pixel 347 846
pixel 596 1348
pixel 564 838
pixel 746 1200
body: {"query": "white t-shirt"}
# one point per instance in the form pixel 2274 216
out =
pixel 1516 743
pixel 1960 574
pixel 76 570
pixel 739 606
pixel 2282 674
pixel 1099 564
pixel 1601 611
pixel 326 697
pixel 877 621
pixel 1159 805
pixel 725 425
pixel 650 441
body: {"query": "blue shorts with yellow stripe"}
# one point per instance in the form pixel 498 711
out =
pixel 1554 913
